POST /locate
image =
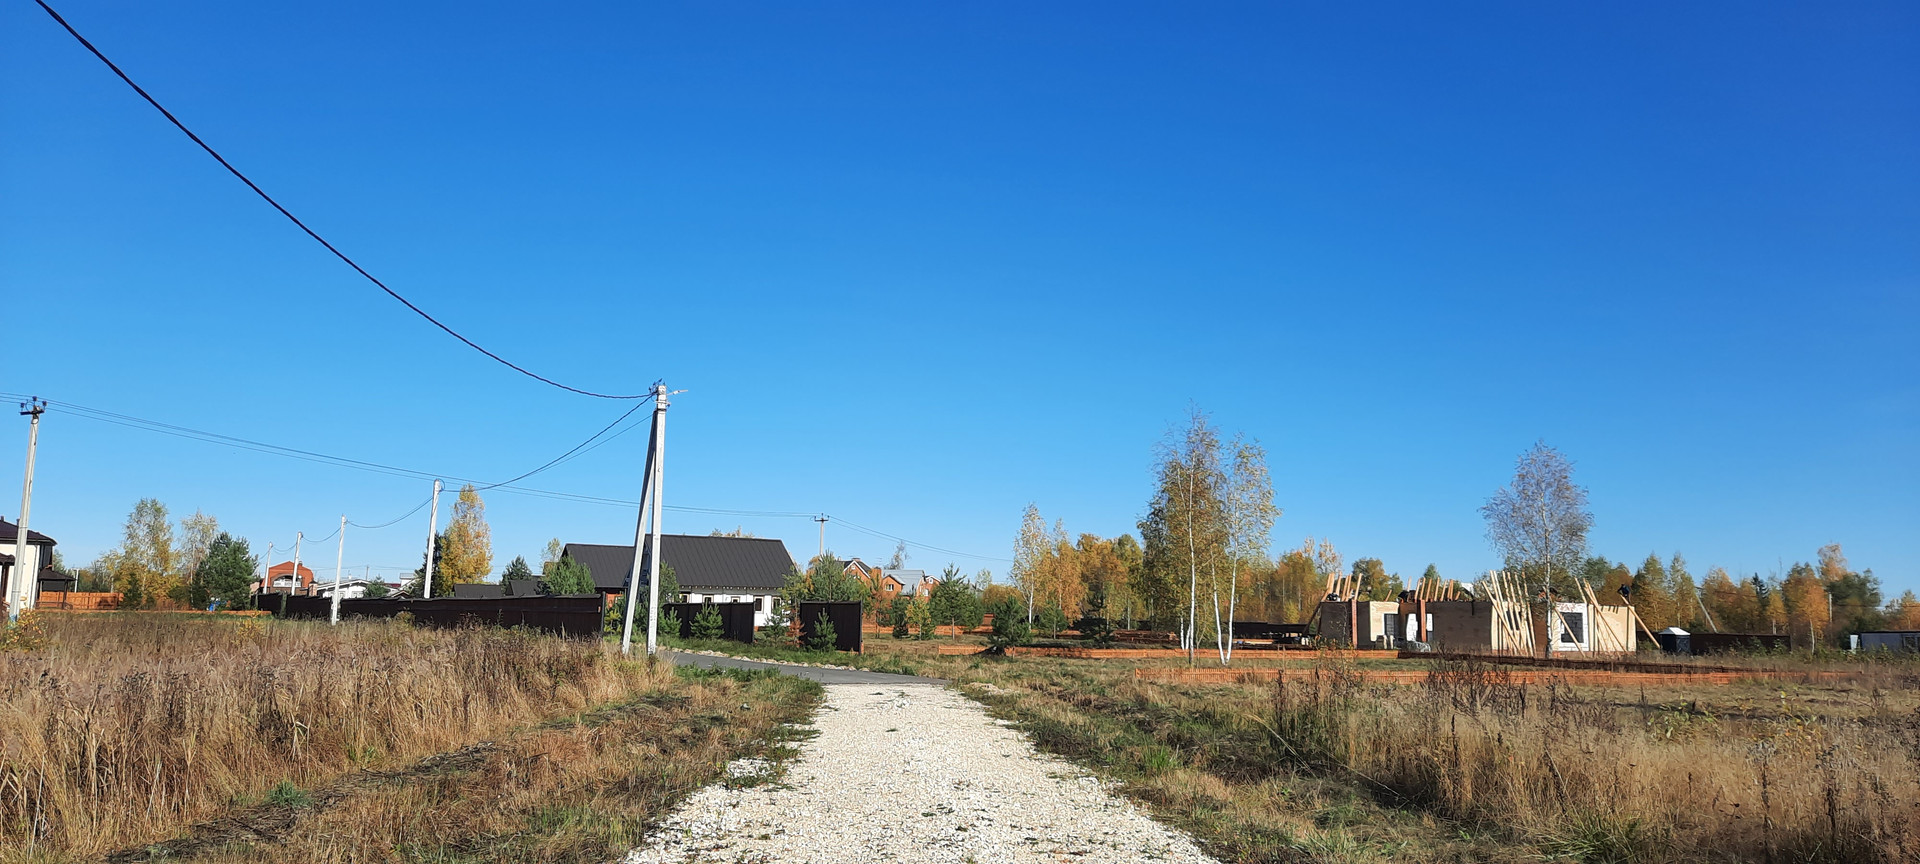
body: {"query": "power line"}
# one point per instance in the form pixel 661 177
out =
pixel 569 454
pixel 309 231
pixel 416 509
pixel 133 422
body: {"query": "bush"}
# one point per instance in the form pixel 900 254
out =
pixel 707 624
pixel 1051 619
pixel 1097 630
pixel 921 617
pixel 897 615
pixel 824 636
pixel 1009 627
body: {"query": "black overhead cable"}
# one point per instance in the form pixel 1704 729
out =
pixel 309 231
pixel 132 422
pixel 569 454
pixel 416 509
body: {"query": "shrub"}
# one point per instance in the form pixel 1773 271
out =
pixel 707 624
pixel 1097 630
pixel 824 636
pixel 897 615
pixel 1009 627
pixel 921 617
pixel 1051 619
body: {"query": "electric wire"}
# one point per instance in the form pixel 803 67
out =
pixel 416 509
pixel 303 226
pixel 569 454
pixel 132 422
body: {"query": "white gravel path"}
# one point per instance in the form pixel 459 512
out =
pixel 913 774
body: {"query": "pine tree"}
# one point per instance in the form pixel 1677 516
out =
pixel 567 576
pixel 516 569
pixel 225 573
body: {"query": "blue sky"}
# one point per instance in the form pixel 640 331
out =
pixel 920 264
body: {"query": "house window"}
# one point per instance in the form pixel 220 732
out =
pixel 1576 628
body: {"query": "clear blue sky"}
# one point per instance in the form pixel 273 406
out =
pixel 920 264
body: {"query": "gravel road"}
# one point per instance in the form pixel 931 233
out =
pixel 912 773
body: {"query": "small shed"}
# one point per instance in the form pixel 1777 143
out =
pixel 1891 640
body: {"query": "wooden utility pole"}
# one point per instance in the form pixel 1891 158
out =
pixel 19 593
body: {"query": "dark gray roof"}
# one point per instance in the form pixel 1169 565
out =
pixel 478 591
pixel 523 587
pixel 700 562
pixel 10 533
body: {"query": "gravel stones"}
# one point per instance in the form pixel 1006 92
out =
pixel 912 774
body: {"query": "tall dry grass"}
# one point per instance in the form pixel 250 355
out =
pixel 123 728
pixel 1821 766
pixel 1593 779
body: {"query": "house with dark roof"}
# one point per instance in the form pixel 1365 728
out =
pixel 39 555
pixel 709 569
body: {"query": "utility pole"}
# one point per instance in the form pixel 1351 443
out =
pixel 297 537
pixel 266 575
pixel 339 557
pixel 659 480
pixel 822 519
pixel 640 542
pixel 433 517
pixel 17 590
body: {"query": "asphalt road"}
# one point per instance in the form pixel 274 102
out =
pixel 824 676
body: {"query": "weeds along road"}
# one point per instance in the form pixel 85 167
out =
pixel 901 769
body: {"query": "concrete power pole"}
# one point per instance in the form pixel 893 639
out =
pixel 646 544
pixel 822 519
pixel 433 518
pixel 659 481
pixel 18 593
pixel 297 537
pixel 639 545
pixel 266 575
pixel 339 557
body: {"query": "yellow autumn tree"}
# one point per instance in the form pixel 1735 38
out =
pixel 1735 608
pixel 1904 612
pixel 1807 608
pixel 468 554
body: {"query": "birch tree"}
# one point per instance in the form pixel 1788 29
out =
pixel 1191 484
pixel 1248 514
pixel 1030 553
pixel 1539 522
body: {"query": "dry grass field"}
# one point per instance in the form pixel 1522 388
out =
pixel 138 736
pixel 1471 766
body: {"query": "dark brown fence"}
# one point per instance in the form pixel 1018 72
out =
pixel 735 618
pixel 566 615
pixel 844 616
pixel 1721 643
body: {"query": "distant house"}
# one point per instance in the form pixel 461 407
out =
pixel 708 569
pixel 913 583
pixel 39 555
pixel 350 589
pixel 862 571
pixel 282 579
